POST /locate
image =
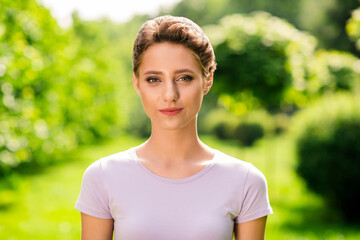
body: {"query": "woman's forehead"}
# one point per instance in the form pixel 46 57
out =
pixel 169 56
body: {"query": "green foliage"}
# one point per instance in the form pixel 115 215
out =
pixel 58 88
pixel 326 19
pixel 215 10
pixel 253 126
pixel 220 122
pixel 248 133
pixel 260 58
pixel 31 46
pixel 139 124
pixel 328 148
pixel 331 71
pixel 353 27
pixel 262 118
pixel 246 128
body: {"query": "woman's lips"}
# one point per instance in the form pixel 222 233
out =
pixel 170 111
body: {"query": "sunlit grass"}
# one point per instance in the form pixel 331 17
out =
pixel 42 205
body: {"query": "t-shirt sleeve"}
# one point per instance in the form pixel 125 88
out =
pixel 93 198
pixel 255 202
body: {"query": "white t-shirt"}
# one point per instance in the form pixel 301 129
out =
pixel 146 206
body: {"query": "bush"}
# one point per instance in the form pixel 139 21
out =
pixel 353 27
pixel 260 57
pixel 223 130
pixel 248 133
pixel 326 19
pixel 331 71
pixel 262 118
pixel 328 149
pixel 58 88
pixel 246 129
pixel 31 124
pixel 220 122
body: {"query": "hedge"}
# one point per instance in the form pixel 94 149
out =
pixel 328 149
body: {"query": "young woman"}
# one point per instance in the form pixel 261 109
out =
pixel 173 186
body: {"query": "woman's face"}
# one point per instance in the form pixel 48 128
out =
pixel 171 85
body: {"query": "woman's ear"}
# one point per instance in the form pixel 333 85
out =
pixel 208 83
pixel 136 83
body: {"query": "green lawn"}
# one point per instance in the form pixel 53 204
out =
pixel 42 204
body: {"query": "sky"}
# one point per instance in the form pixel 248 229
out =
pixel 116 10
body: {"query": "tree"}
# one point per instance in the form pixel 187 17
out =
pixel 326 20
pixel 261 59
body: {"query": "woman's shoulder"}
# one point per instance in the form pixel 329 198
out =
pixel 112 161
pixel 225 160
pixel 237 166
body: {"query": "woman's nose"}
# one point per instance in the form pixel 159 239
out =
pixel 171 92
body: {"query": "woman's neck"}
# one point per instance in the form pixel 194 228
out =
pixel 174 146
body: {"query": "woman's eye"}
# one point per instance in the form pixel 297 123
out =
pixel 186 78
pixel 152 80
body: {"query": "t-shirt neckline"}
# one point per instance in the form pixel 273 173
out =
pixel 174 180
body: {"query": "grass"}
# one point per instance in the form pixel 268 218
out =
pixel 41 206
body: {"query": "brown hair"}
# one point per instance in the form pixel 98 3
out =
pixel 177 30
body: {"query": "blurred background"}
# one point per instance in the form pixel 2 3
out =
pixel 286 97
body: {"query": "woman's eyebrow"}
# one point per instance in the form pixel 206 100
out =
pixel 184 70
pixel 177 71
pixel 152 72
